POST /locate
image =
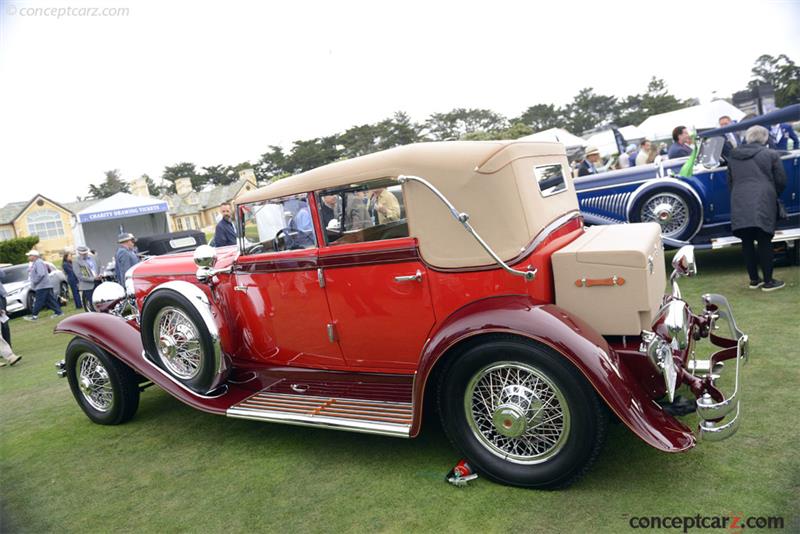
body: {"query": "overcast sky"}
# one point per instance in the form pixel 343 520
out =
pixel 217 82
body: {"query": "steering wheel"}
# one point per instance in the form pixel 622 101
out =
pixel 275 239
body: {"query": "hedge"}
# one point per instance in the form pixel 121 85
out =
pixel 13 250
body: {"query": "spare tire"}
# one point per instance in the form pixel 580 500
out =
pixel 176 338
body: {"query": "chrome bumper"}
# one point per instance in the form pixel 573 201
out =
pixel 713 426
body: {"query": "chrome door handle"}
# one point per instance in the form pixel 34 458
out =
pixel 243 289
pixel 416 277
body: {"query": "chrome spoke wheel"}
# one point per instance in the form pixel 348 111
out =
pixel 517 413
pixel 178 342
pixel 670 211
pixel 94 382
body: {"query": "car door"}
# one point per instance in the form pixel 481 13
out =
pixel 377 286
pixel 280 305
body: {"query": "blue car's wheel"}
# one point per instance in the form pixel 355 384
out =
pixel 678 212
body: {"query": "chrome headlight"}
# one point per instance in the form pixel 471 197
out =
pixel 107 296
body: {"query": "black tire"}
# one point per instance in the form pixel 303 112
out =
pixel 582 423
pixel 29 300
pixel 122 383
pixel 681 198
pixel 201 378
pixel 63 294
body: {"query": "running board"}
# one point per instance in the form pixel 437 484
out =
pixel 355 415
pixel 789 234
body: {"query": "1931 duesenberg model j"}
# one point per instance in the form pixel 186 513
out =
pixel 362 290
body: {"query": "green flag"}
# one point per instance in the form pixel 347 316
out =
pixel 688 168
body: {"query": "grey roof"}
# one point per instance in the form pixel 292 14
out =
pixel 206 199
pixel 79 205
pixel 10 211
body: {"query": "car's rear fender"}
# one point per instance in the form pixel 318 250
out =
pixel 573 339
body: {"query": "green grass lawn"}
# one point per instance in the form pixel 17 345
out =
pixel 175 469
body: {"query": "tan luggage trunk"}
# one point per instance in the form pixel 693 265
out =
pixel 612 277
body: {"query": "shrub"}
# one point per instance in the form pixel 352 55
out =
pixel 13 250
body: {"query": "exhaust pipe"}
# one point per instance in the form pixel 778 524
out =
pixel 61 370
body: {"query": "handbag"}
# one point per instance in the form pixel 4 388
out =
pixel 781 210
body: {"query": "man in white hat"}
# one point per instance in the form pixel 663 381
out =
pixel 39 276
pixel 591 158
pixel 125 258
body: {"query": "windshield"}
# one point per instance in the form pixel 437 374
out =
pixel 710 152
pixel 279 224
pixel 17 273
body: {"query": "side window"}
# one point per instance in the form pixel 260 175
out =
pixel 550 179
pixel 369 211
pixel 277 225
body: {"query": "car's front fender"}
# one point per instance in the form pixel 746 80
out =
pixel 573 339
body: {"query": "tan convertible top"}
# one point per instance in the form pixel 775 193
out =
pixel 493 181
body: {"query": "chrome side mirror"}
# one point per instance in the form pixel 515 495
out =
pixel 683 262
pixel 205 256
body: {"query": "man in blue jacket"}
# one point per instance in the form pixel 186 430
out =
pixel 39 276
pixel 680 147
pixel 125 258
pixel 225 233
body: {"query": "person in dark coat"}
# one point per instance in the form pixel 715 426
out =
pixel 680 147
pixel 756 179
pixel 587 166
pixel 225 234
pixel 72 279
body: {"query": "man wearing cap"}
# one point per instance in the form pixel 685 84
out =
pixel 39 276
pixel 125 258
pixel 587 166
pixel 88 275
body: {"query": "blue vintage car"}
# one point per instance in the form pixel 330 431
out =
pixel 693 210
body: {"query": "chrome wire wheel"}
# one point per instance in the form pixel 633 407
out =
pixel 94 382
pixel 670 211
pixel 517 413
pixel 178 341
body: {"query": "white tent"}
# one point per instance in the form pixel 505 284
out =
pixel 607 145
pixel 557 135
pixel 99 225
pixel 699 117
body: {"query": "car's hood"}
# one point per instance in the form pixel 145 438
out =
pixel 181 263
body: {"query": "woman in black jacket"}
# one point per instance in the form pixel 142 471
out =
pixel 756 178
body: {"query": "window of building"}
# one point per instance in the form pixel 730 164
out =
pixel 6 233
pixel 46 224
pixel 277 225
pixel 370 211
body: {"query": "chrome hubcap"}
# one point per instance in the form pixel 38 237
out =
pixel 517 413
pixel 94 382
pixel 178 342
pixel 669 210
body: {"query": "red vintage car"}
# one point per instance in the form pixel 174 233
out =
pixel 455 276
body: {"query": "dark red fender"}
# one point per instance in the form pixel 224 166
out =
pixel 121 339
pixel 578 342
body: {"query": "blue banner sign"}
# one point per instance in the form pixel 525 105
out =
pixel 122 212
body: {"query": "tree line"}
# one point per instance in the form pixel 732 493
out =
pixel 587 111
